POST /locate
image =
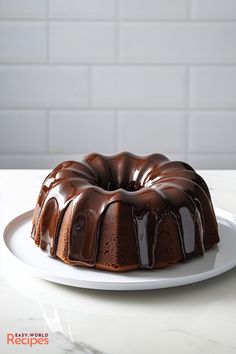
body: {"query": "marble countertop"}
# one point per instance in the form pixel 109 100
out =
pixel 197 318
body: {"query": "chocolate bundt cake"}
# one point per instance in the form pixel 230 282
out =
pixel 124 212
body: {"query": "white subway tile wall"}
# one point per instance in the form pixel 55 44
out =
pixel 138 86
pixel 23 42
pixel 18 127
pixel 82 9
pixel 90 42
pixel 43 86
pixel 83 127
pixel 145 125
pixel 23 9
pixel 153 9
pixel 213 87
pixel 78 76
pixel 177 43
pixel 213 9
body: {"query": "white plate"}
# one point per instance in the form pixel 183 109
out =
pixel 20 248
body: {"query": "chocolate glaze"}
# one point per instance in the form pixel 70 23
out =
pixel 152 186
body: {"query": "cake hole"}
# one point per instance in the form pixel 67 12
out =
pixel 112 185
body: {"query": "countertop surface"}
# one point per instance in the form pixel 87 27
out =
pixel 197 318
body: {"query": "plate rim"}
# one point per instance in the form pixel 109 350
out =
pixel 139 284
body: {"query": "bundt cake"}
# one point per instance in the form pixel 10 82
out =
pixel 124 212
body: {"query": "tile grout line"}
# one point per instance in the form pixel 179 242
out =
pixel 116 133
pixel 196 153
pixel 90 89
pixel 187 115
pixel 123 64
pixel 47 23
pixel 121 109
pixel 117 53
pixel 48 127
pixel 122 20
pixel 117 35
pixel 187 129
pixel 189 12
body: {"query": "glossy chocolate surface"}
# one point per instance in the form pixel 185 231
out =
pixel 152 186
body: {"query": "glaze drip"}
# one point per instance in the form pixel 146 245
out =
pixel 145 261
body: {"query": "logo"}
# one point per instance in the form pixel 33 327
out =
pixel 28 339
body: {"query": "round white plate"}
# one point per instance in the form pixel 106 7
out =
pixel 20 248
